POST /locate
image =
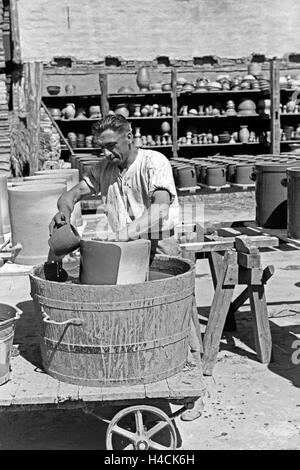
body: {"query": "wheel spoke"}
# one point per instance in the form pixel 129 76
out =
pixel 139 423
pixel 157 446
pixel 123 432
pixel 158 427
pixel 129 447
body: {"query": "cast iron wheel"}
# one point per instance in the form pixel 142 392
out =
pixel 142 438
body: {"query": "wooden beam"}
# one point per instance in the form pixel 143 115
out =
pixel 33 72
pixel 15 32
pixel 174 111
pixel 260 321
pixel 275 106
pixel 104 93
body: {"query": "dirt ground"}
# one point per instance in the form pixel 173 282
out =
pixel 248 405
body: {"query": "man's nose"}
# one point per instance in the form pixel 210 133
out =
pixel 107 153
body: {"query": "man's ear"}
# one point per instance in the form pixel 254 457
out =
pixel 130 136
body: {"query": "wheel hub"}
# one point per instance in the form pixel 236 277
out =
pixel 142 445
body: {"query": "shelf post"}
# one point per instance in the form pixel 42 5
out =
pixel 275 106
pixel 174 111
pixel 103 97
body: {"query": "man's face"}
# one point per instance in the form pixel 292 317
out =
pixel 115 146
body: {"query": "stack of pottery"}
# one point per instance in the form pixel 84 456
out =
pixel 89 141
pixel 55 113
pixel 224 138
pixel 264 82
pixel 80 140
pixel 201 84
pixel 246 107
pixel 72 138
pixel 289 132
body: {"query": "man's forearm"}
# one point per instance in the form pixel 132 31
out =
pixel 151 219
pixel 67 200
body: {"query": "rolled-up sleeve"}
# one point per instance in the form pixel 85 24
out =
pixel 160 176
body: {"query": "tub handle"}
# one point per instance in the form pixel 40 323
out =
pixel 71 321
pixel 284 182
pixel 16 317
pixel 253 176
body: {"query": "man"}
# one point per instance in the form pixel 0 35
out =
pixel 136 185
pixel 138 188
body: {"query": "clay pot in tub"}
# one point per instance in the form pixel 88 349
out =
pixel 64 240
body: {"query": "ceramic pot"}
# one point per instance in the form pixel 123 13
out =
pixel 64 240
pixel 5 217
pixel 55 113
pixel 137 137
pixel 290 106
pixel 31 208
pixel 122 110
pixel 70 89
pixel 110 263
pixel 186 176
pixel 215 176
pixel 143 79
pixel 81 113
pixel 243 173
pixel 69 111
pixel 165 127
pixel 94 112
pixel 246 107
pixel 137 110
pixel 145 111
pixel 244 134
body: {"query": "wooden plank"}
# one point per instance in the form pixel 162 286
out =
pixel 275 106
pixel 260 322
pixel 157 390
pixel 104 92
pixel 174 112
pixel 249 260
pixel 15 32
pixel 123 392
pixel 33 72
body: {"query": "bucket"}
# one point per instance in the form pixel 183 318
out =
pixel 8 317
pixel 4 204
pixel 115 335
pixel 271 195
pixel 293 202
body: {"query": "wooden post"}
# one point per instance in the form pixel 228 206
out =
pixel 104 93
pixel 33 72
pixel 260 321
pixel 217 316
pixel 174 112
pixel 275 106
pixel 14 21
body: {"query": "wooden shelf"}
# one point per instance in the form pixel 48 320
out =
pixel 138 94
pixel 290 141
pixel 289 114
pixel 70 97
pixel 149 118
pixel 77 120
pixel 220 92
pixel 219 116
pixel 218 144
pixel 156 146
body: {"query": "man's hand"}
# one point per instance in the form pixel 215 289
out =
pixel 60 219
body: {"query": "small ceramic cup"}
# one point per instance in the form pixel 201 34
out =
pixel 64 240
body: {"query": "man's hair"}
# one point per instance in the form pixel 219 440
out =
pixel 117 124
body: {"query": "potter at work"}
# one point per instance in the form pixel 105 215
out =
pixel 136 185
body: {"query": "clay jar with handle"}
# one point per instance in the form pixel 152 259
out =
pixel 243 173
pixel 216 175
pixel 64 240
pixel 186 176
pixel 69 111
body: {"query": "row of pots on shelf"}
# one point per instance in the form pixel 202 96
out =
pixel 244 108
pixel 138 110
pixel 290 133
pixel 70 112
pixel 243 136
pixel 218 171
pixel 80 140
